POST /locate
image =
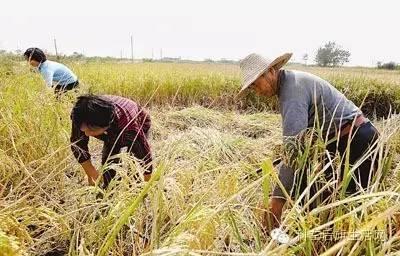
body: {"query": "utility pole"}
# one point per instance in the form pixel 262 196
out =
pixel 161 54
pixel 132 47
pixel 55 47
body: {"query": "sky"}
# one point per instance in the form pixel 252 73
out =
pixel 202 29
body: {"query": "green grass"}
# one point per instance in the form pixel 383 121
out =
pixel 217 85
pixel 208 198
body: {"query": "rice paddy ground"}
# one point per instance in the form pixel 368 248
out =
pixel 205 197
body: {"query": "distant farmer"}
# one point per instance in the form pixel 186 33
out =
pixel 117 121
pixel 55 74
pixel 307 101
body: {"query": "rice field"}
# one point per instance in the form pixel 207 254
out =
pixel 205 197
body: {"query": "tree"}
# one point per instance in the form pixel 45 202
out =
pixel 77 55
pixel 305 58
pixel 331 54
pixel 389 65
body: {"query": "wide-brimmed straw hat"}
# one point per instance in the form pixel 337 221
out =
pixel 254 65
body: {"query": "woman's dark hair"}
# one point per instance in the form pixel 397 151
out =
pixel 93 111
pixel 35 54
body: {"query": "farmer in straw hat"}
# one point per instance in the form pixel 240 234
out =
pixel 309 102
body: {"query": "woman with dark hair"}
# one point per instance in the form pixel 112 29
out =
pixel 119 122
pixel 55 74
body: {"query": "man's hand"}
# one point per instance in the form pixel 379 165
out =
pixel 147 176
pixel 272 217
pixel 91 181
pixel 91 172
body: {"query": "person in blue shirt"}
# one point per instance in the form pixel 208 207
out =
pixel 55 74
